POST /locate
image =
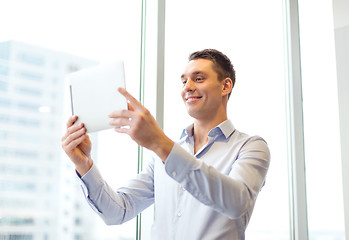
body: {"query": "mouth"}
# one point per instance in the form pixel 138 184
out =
pixel 190 99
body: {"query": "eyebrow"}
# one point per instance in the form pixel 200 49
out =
pixel 194 74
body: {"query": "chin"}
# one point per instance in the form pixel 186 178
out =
pixel 193 114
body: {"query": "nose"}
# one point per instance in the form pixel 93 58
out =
pixel 189 85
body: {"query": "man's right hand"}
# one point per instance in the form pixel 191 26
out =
pixel 77 145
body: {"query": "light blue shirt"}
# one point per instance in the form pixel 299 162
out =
pixel 207 195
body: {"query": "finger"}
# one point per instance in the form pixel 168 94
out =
pixel 136 105
pixel 73 144
pixel 122 130
pixel 72 138
pixel 87 137
pixel 120 122
pixel 121 114
pixel 71 120
pixel 73 128
pixel 76 134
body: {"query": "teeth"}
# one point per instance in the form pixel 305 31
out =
pixel 191 98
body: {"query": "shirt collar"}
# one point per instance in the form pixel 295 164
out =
pixel 226 128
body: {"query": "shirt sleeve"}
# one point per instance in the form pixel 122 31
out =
pixel 231 194
pixel 117 207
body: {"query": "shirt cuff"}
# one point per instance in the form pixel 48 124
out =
pixel 90 183
pixel 92 179
pixel 180 163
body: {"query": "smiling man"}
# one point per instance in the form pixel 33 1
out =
pixel 205 185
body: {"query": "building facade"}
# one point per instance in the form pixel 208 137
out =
pixel 39 199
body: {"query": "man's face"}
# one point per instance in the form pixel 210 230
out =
pixel 202 92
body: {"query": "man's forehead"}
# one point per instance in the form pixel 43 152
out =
pixel 198 65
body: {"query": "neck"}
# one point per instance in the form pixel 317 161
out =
pixel 201 129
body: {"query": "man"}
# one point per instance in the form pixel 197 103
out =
pixel 203 186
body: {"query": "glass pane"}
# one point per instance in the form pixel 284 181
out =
pixel 251 34
pixel 40 42
pixel 321 122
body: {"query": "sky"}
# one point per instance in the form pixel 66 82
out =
pixel 83 28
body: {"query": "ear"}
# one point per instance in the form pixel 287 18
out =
pixel 227 86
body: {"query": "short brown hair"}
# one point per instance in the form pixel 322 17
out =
pixel 221 63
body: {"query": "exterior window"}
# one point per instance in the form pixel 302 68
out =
pixel 31 59
pixel 17 186
pixel 3 86
pixel 27 122
pixel 29 91
pixel 3 70
pixel 5 50
pixel 16 221
pixel 25 154
pixel 16 237
pixel 28 106
pixel 3 135
pixel 30 76
pixel 5 102
pixel 25 137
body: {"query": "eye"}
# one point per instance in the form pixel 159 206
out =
pixel 199 78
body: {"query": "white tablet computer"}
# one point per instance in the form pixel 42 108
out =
pixel 94 94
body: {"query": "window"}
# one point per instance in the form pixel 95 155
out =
pixel 5 102
pixel 3 70
pixel 33 76
pixel 15 237
pixel 254 42
pixel 324 182
pixel 4 50
pixel 35 175
pixel 29 91
pixel 31 59
pixel 3 86
pixel 33 65
pixel 28 106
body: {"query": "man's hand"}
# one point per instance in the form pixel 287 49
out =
pixel 77 145
pixel 141 126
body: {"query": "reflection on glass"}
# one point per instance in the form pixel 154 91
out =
pixel 251 34
pixel 40 197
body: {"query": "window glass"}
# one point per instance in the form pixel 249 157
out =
pixel 251 34
pixel 40 43
pixel 321 122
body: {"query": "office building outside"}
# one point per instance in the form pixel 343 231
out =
pixel 39 197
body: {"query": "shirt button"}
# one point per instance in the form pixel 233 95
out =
pixel 174 173
pixel 179 214
pixel 195 194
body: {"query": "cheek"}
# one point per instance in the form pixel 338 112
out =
pixel 182 94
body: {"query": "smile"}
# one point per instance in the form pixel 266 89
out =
pixel 192 99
